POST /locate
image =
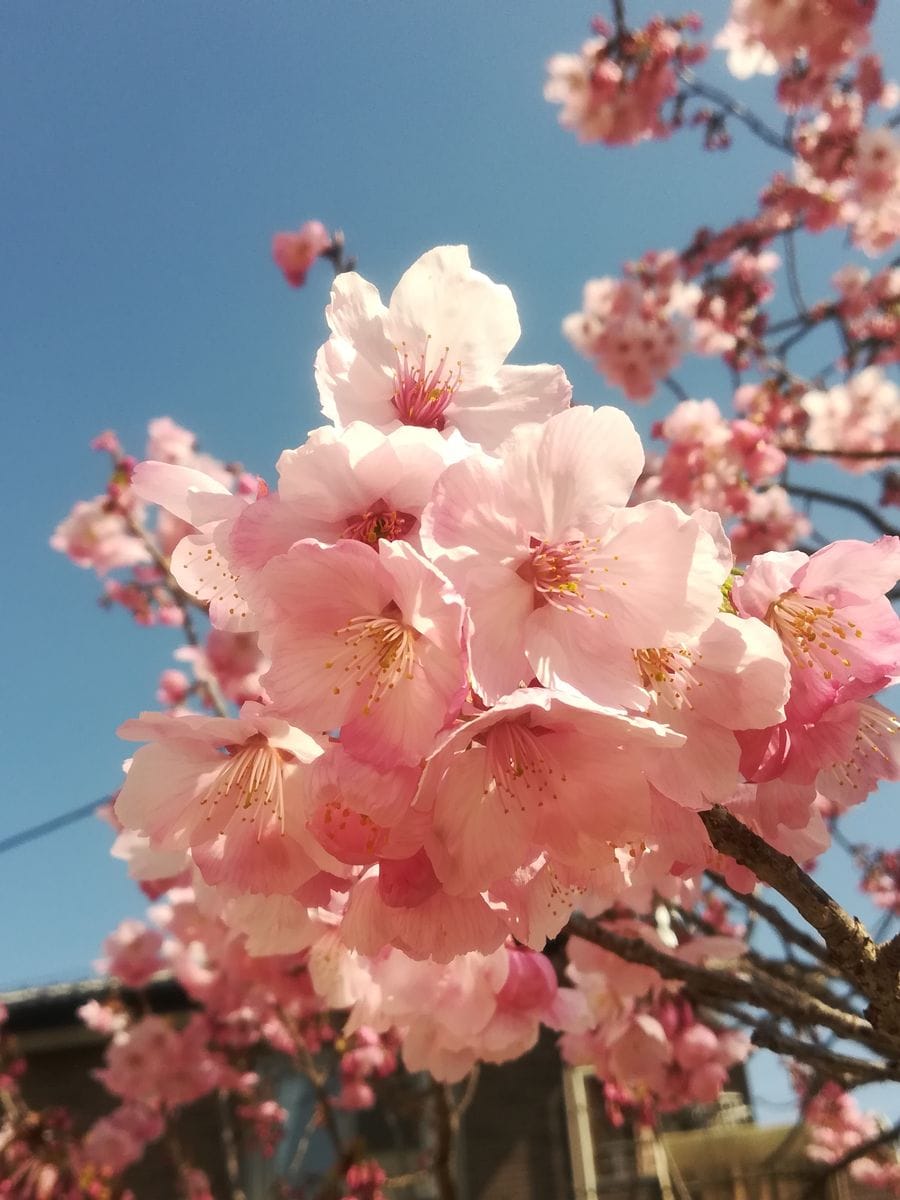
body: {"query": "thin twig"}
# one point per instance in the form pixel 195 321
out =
pixel 735 109
pixel 442 1163
pixel 776 919
pixel 850 503
pixel 185 602
pixel 858 455
pixel 229 1145
pixel 466 1098
pixel 793 274
pixel 324 1104
pixel 337 255
pixel 843 1068
pixel 675 388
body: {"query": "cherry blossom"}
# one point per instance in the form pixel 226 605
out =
pixel 837 627
pixel 295 253
pixel 561 581
pixel 434 358
pixel 232 790
pixel 614 89
pixel 368 642
pixel 634 329
pixel 861 415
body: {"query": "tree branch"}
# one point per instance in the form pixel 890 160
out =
pixel 713 986
pixel 442 1164
pixel 185 603
pixel 845 1069
pixel 735 109
pixel 793 274
pixel 850 947
pixel 776 919
pixel 858 455
pixel 847 502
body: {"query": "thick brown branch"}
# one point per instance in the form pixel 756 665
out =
pixel 712 985
pixel 850 947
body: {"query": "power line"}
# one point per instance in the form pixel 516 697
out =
pixel 39 831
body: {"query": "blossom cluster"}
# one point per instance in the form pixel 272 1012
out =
pixel 836 1127
pixel 615 89
pixel 475 663
pixel 487 682
pixel 636 329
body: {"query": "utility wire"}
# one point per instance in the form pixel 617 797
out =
pixel 39 831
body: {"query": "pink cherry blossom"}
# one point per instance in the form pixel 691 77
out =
pixel 155 1064
pixel 875 198
pixel 368 642
pixel 359 813
pixel 538 771
pixel 860 415
pixel 838 629
pixel 96 534
pixel 561 581
pixel 201 562
pixel 734 677
pixel 768 521
pixel 881 879
pixel 360 485
pixel 295 253
pixel 102 1018
pixel 477 1007
pixel 828 32
pixel 231 789
pixel 116 1141
pixel 403 904
pixel 614 89
pixel 711 462
pixel 233 661
pixel 746 55
pixel 434 357
pixel 132 954
pixel 634 329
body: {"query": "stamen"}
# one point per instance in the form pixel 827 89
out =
pixel 377 652
pixel 516 759
pixel 379 522
pixel 877 726
pixel 568 575
pixel 812 638
pixel 669 673
pixel 420 396
pixel 251 778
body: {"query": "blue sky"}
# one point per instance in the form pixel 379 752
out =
pixel 150 151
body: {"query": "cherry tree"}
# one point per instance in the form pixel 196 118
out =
pixel 487 718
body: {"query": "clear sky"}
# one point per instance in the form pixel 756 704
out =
pixel 150 151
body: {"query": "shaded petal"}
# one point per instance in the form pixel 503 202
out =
pixel 487 415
